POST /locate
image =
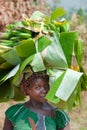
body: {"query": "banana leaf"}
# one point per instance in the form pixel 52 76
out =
pixel 37 63
pixel 11 57
pixel 73 101
pixel 54 56
pixel 26 48
pixel 18 96
pixel 64 91
pixel 67 40
pixel 64 27
pixel 3 49
pixel 84 80
pixel 57 13
pixel 42 43
pixel 3 75
pixel 10 92
pixel 5 90
pixel 7 75
pixel 50 48
pixel 5 65
pixel 13 72
pixel 14 78
pixel 71 79
pixel 1 60
pixel 51 97
pixel 37 15
pixel 78 45
pixel 17 78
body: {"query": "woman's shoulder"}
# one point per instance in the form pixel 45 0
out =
pixel 61 113
pixel 14 107
pixel 12 110
pixel 62 118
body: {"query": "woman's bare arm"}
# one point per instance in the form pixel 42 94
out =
pixel 7 125
pixel 67 127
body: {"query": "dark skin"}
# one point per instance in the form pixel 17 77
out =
pixel 37 103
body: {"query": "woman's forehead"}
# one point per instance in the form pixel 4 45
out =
pixel 39 81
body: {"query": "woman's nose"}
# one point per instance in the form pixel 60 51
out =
pixel 44 90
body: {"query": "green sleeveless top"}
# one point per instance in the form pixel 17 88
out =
pixel 19 116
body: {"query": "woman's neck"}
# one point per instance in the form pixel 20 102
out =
pixel 42 108
pixel 35 105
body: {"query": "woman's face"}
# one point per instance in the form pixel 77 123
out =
pixel 38 90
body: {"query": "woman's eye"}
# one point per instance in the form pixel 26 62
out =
pixel 46 87
pixel 38 87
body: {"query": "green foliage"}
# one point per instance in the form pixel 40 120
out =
pixel 57 13
pixel 43 43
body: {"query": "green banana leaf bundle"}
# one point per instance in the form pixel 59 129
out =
pixel 43 43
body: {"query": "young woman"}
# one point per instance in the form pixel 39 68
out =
pixel 37 113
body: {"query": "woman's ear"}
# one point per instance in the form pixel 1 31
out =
pixel 24 89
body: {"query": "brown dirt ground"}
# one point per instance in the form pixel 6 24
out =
pixel 78 116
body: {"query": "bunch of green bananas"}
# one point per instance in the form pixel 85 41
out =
pixel 14 36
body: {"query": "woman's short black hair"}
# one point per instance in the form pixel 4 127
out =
pixel 34 76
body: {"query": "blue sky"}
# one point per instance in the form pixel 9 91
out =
pixel 67 4
pixel 74 3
